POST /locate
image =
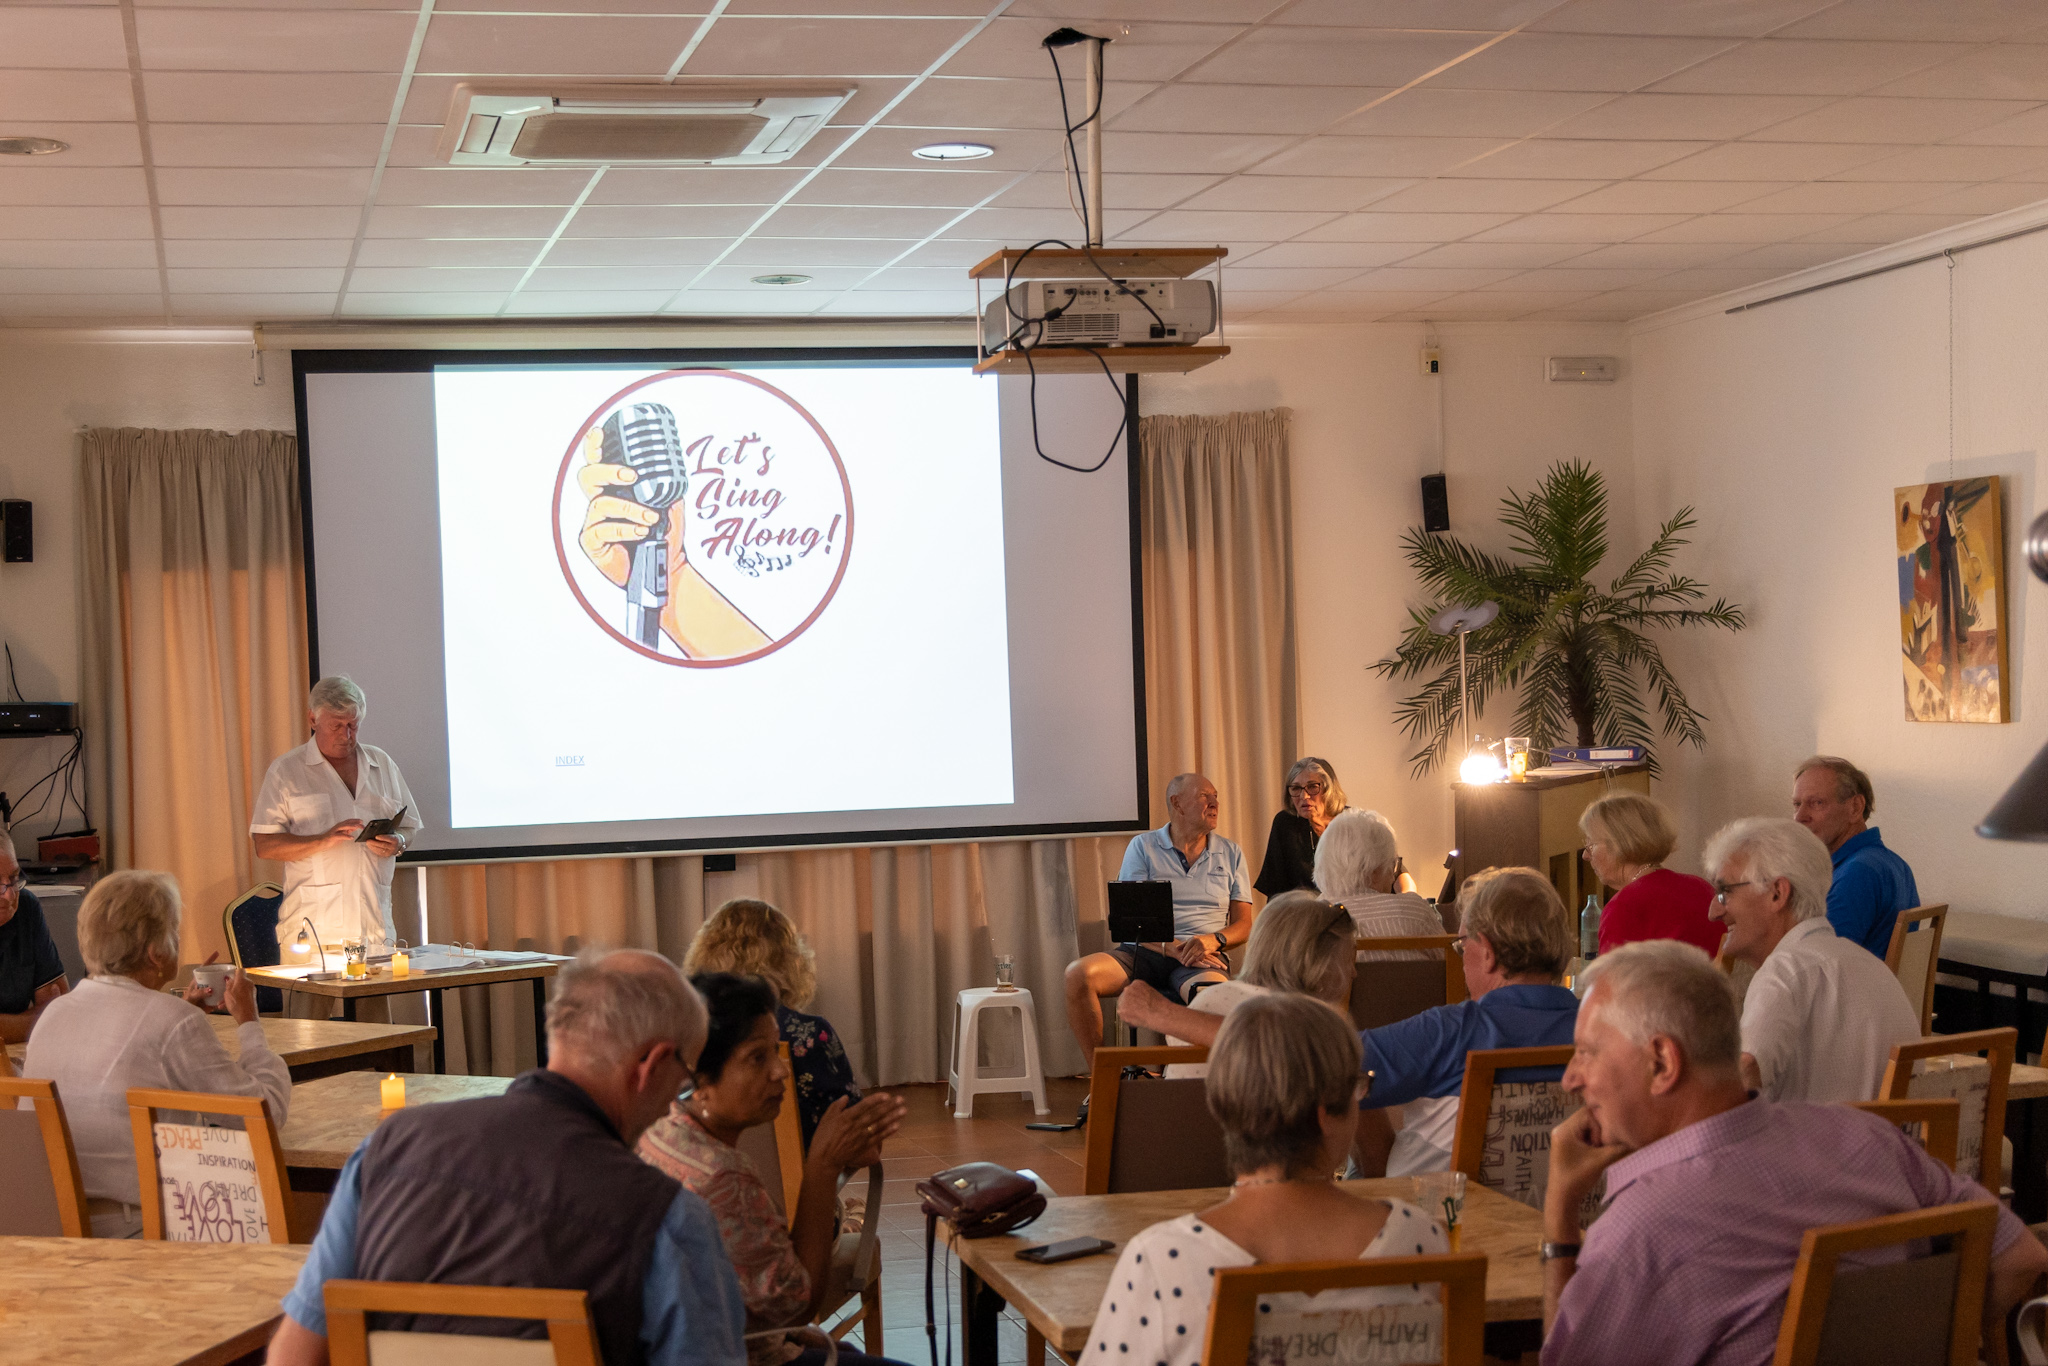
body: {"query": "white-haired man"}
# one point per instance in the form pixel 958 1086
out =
pixel 1821 1015
pixel 541 1187
pixel 313 804
pixel 31 973
pixel 1709 1191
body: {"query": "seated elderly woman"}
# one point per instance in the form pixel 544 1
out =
pixel 1313 799
pixel 120 1029
pixel 1358 866
pixel 1284 1084
pixel 756 939
pixel 739 1083
pixel 1628 837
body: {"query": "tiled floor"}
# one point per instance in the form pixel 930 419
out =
pixel 931 1141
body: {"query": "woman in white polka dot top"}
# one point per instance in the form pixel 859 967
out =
pixel 1285 1085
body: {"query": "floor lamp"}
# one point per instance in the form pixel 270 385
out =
pixel 1461 622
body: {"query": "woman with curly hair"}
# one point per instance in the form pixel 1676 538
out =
pixel 755 939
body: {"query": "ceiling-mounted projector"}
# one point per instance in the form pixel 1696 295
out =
pixel 698 123
pixel 1100 312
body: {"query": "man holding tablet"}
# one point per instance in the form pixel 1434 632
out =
pixel 1212 910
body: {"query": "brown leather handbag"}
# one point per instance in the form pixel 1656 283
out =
pixel 981 1199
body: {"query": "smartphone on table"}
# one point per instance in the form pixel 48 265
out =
pixel 1065 1251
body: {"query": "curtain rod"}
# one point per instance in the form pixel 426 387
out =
pixel 1886 270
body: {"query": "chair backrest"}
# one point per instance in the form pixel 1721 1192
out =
pixel 237 1194
pixel 1383 992
pixel 250 924
pixel 1148 1134
pixel 1978 1151
pixel 572 1338
pixel 45 1195
pixel 1503 1135
pixel 777 1150
pixel 1940 1121
pixel 1912 954
pixel 1457 1325
pixel 1921 1311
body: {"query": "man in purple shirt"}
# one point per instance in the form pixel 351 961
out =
pixel 1709 1192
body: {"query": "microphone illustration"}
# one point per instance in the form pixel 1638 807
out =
pixel 642 436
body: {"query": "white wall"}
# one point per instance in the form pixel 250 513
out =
pixel 1364 434
pixel 1789 426
pixel 47 393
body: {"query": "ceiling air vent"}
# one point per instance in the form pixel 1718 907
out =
pixel 700 123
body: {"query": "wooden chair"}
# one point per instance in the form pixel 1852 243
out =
pixel 264 1149
pixel 37 1208
pixel 1382 993
pixel 571 1341
pixel 1924 1310
pixel 1986 1126
pixel 1234 1302
pixel 777 1150
pixel 1914 950
pixel 1940 1121
pixel 1150 1134
pixel 1540 1107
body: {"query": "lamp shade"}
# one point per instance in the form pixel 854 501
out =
pixel 2022 813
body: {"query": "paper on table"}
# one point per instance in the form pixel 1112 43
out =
pixel 296 973
pixel 510 955
pixel 442 962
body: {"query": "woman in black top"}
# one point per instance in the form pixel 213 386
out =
pixel 1313 799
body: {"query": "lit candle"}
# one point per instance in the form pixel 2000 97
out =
pixel 401 964
pixel 393 1088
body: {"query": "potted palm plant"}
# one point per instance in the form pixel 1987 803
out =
pixel 1582 657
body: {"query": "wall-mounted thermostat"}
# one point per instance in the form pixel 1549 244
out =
pixel 1583 370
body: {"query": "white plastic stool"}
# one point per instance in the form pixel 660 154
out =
pixel 964 1078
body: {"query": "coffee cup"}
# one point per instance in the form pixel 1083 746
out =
pixel 214 978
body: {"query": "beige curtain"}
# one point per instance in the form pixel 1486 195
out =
pixel 192 601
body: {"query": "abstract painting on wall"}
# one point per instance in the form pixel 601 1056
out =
pixel 1952 599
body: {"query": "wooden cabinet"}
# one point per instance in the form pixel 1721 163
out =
pixel 1535 824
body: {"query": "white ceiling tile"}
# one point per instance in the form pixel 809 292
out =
pixel 20 308
pixel 2025 130
pixel 1952 163
pixel 1352 305
pixel 948 252
pixel 1880 228
pixel 47 222
pixel 1890 120
pixel 1009 225
pixel 269 185
pixel 1506 303
pixel 1747 227
pixel 1055 190
pixel 1579 280
pixel 931 189
pixel 690 8
pixel 1785 256
pixel 774 253
pixel 1670 196
pixel 435 280
pixel 81 185
pixel 1284 278
pixel 556 45
pixel 988 103
pixel 407 221
pixel 1780 66
pixel 744 303
pixel 695 185
pixel 1717 279
pixel 2016 72
pixel 824 279
pixel 1580 227
pixel 1400 157
pixel 1485 16
pixel 1266 192
pixel 1145 52
pixel 689 220
pixel 1187 153
pixel 1703 18
pixel 1703 117
pixel 260 223
pixel 889 149
pixel 1577 158
pixel 1332 56
pixel 637 252
pixel 465 185
pixel 825 47
pixel 37 280
pixel 1418 279
pixel 1657 255
pixel 91 144
pixel 17 254
pixel 1982 199
pixel 273 40
pixel 554 279
pixel 1951 21
pixel 868 303
pixel 1089 14
pixel 1356 255
pixel 245 255
pixel 1243 108
pixel 621 303
pixel 1772 161
pixel 250 307
pixel 262 280
pixel 1574 61
pixel 257 144
pixel 1183 225
pixel 1498 255
pixel 1405 227
pixel 414 145
pixel 354 305
pixel 927 9
pixel 457 251
pixel 70 37
pixel 261 97
pixel 1427 111
pixel 1483 196
pixel 61 95
pixel 871 95
pixel 822 220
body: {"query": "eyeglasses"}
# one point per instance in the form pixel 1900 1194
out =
pixel 13 884
pixel 1307 789
pixel 1721 889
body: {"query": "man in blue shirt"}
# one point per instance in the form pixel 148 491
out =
pixel 541 1187
pixel 31 973
pixel 1833 798
pixel 1212 910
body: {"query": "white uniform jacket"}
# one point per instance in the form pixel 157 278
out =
pixel 345 891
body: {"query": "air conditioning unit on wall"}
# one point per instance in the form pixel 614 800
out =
pixel 699 123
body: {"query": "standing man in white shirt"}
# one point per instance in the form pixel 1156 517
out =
pixel 315 800
pixel 1212 910
pixel 1822 1014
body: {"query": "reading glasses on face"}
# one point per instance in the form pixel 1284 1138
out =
pixel 1721 889
pixel 1307 789
pixel 13 884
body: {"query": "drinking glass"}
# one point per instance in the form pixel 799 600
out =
pixel 1443 1193
pixel 1006 972
pixel 352 958
pixel 1517 750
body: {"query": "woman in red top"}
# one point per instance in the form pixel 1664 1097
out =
pixel 1628 837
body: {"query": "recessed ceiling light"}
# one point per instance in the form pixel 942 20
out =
pixel 954 151
pixel 781 279
pixel 31 147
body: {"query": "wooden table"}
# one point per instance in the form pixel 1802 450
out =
pixel 90 1301
pixel 1060 1300
pixel 318 1048
pixel 349 990
pixel 330 1117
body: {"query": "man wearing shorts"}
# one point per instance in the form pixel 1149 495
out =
pixel 1212 910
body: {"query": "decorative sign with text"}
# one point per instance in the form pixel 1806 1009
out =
pixel 702 518
pixel 1965 1079
pixel 1516 1158
pixel 1290 1333
pixel 210 1190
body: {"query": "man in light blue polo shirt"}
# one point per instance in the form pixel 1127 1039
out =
pixel 1212 910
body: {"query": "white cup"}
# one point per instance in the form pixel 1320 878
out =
pixel 214 977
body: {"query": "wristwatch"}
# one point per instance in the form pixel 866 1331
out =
pixel 1551 1252
pixel 1221 942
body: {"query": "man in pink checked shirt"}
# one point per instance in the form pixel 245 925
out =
pixel 1710 1191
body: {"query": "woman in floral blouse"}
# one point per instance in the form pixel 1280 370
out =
pixel 740 1079
pixel 754 937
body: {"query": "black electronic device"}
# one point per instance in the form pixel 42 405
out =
pixel 382 826
pixel 1065 1251
pixel 17 531
pixel 1141 912
pixel 38 718
pixel 1436 503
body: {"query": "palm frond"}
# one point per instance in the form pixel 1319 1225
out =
pixel 1655 561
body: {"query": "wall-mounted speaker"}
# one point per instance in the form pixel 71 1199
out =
pixel 17 531
pixel 1436 503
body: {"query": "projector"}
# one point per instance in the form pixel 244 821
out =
pixel 1101 312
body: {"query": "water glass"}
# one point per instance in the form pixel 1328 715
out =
pixel 1006 972
pixel 1442 1194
